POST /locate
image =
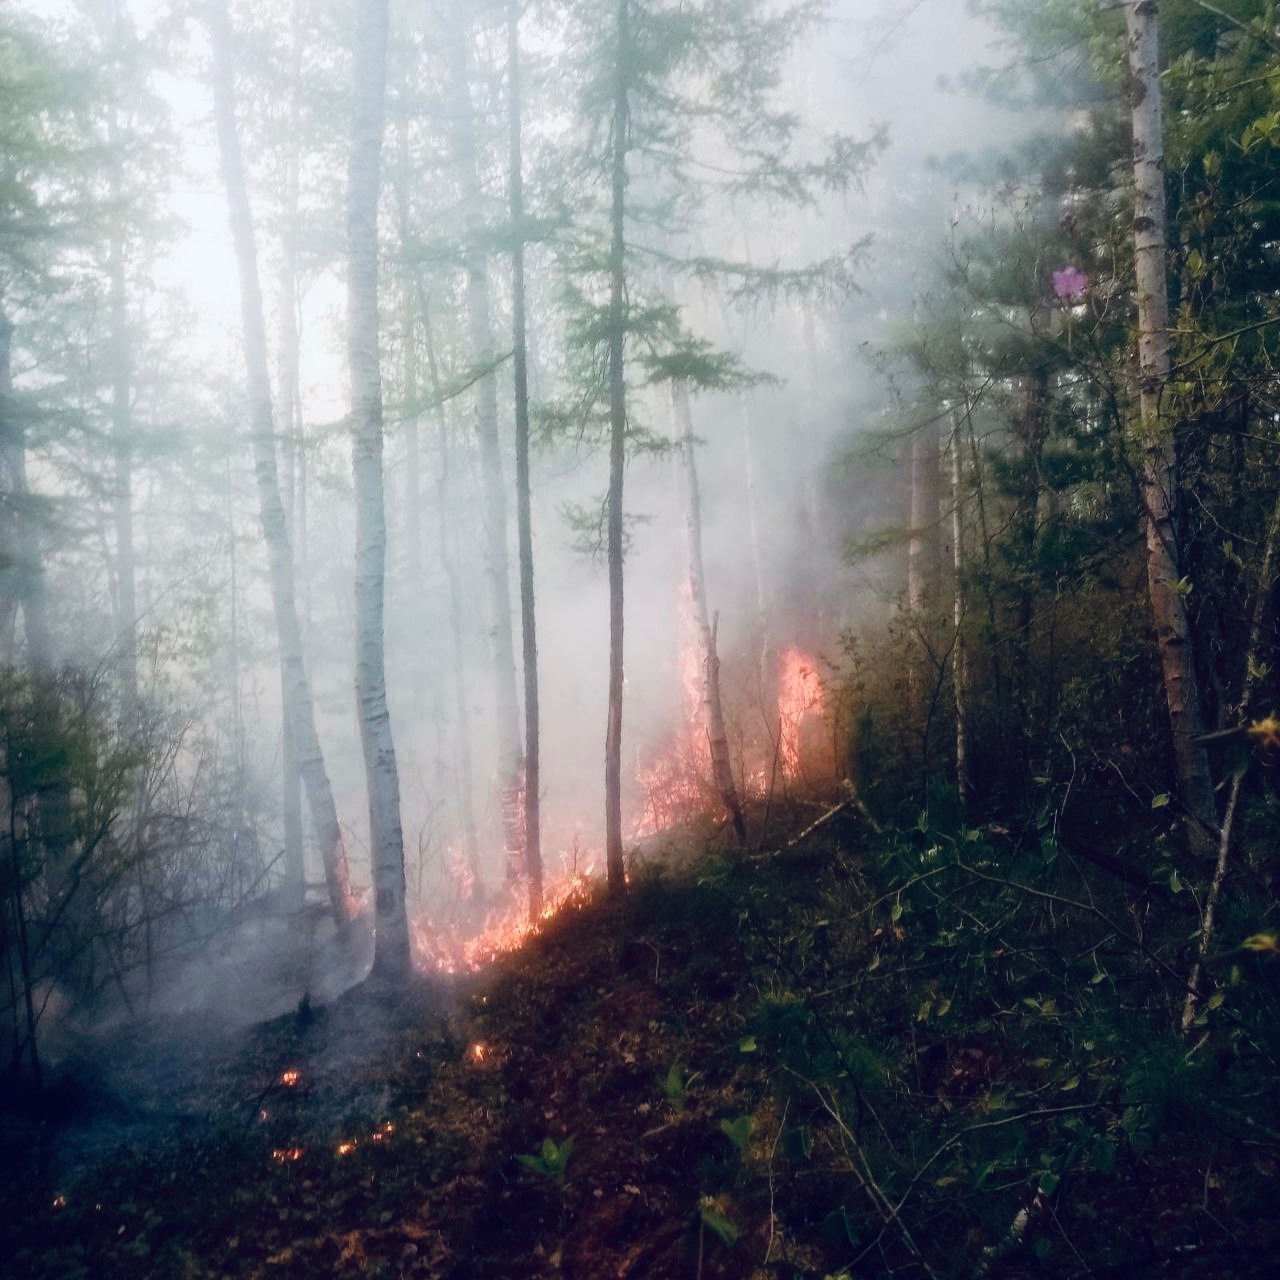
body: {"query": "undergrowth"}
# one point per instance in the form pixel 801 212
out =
pixel 913 1053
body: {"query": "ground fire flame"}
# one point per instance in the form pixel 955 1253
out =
pixel 446 947
pixel 672 787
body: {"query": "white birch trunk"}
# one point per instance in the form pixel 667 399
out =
pixel 391 956
pixel 297 688
pixel 287 401
pixel 1160 466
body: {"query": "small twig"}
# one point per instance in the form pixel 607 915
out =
pixel 819 822
pixel 782 1124
pixel 657 959
pixel 877 1196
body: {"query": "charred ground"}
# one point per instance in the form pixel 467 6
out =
pixel 812 1060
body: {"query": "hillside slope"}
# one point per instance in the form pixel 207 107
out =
pixel 777 1064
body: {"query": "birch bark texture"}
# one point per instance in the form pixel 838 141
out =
pixel 299 708
pixel 391 952
pixel 1159 480
pixel 289 410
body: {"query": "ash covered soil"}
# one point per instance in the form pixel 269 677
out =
pixel 724 1075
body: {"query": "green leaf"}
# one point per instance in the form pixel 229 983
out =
pixel 739 1132
pixel 747 1044
pixel 674 1087
pixel 712 1218
pixel 1160 801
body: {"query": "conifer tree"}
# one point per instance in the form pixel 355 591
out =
pixel 668 86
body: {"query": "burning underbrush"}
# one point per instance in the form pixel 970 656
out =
pixel 452 945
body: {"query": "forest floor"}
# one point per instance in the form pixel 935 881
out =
pixel 737 1071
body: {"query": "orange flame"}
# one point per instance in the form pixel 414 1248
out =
pixel 290 1077
pixel 443 948
pixel 286 1155
pixel 800 699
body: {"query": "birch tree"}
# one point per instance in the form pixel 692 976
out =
pixel 1166 585
pixel 299 708
pixel 288 399
pixel 391 957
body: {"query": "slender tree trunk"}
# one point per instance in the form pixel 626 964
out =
pixel 1254 664
pixel 496 567
pixel 21 560
pixel 10 451
pixel 1160 465
pixel 763 641
pixel 391 956
pixel 524 514
pixel 122 448
pixel 300 709
pixel 449 563
pixel 922 547
pixel 708 659
pixel 959 659
pixel 287 398
pixel 409 352
pixel 615 869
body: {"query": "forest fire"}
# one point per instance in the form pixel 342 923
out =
pixel 446 947
pixel 800 706
pixel 290 1077
pixel 677 784
pixel 671 790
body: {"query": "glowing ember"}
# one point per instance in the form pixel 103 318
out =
pixel 800 704
pixel 286 1155
pixel 346 1148
pixel 59 1202
pixel 290 1078
pixel 479 1052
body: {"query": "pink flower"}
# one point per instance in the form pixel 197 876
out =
pixel 1070 283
